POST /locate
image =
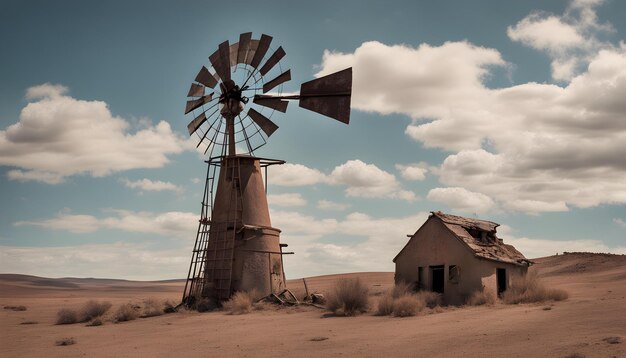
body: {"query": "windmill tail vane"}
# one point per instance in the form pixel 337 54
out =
pixel 232 102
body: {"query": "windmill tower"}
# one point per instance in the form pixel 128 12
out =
pixel 237 248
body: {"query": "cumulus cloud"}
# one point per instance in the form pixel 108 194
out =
pixel 570 39
pixel 360 179
pixel 529 147
pixel 169 224
pixel 289 199
pixel 295 175
pixel 462 199
pixel 151 185
pixel 415 172
pixel 58 136
pixel 369 181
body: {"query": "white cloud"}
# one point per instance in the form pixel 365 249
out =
pixel 295 175
pixel 619 222
pixel 462 199
pixel 530 147
pixel 331 205
pixel 416 172
pixel 289 199
pixel 59 136
pixel 151 185
pixel 67 222
pixel 534 248
pixel 170 224
pixel 361 179
pixel 46 90
pixel 368 181
pixel 570 40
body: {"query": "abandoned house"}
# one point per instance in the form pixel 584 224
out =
pixel 456 256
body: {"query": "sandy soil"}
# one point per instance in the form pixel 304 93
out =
pixel 595 310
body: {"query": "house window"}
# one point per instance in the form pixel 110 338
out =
pixel 453 274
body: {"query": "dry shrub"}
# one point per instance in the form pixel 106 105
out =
pixel 481 297
pixel 96 322
pixel 241 302
pixel 349 297
pixel 205 304
pixel 169 307
pixel 66 316
pixel 401 289
pixel 429 298
pixel 65 342
pixel 529 289
pixel 125 313
pixel 93 309
pixel 152 308
pixel 385 305
pixel 407 305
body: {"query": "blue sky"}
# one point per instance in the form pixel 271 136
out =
pixel 507 111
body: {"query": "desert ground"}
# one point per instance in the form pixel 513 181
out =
pixel 577 327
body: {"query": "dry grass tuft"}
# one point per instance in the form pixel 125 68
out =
pixel 96 322
pixel 613 340
pixel 152 308
pixel 430 299
pixel 385 305
pixel 66 316
pixel 93 309
pixel 125 313
pixel 529 289
pixel 65 342
pixel 407 305
pixel 481 297
pixel 241 302
pixel 206 304
pixel 349 298
pixel 401 289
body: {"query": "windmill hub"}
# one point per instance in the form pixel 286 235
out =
pixel 232 98
pixel 236 247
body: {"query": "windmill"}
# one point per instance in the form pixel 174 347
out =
pixel 232 101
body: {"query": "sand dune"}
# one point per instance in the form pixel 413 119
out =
pixel 595 310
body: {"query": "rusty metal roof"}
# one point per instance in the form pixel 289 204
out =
pixel 487 246
pixel 492 248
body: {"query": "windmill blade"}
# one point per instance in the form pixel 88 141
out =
pixel 193 104
pixel 254 44
pixel 206 78
pixel 272 61
pixel 195 90
pixel 244 46
pixel 261 50
pixel 220 60
pixel 233 52
pixel 329 95
pixel 196 123
pixel 283 77
pixel 264 123
pixel 274 103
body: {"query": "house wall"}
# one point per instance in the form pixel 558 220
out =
pixel 435 245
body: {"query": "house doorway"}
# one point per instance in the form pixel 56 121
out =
pixel 437 278
pixel 501 278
